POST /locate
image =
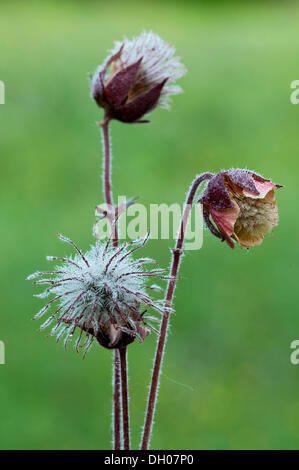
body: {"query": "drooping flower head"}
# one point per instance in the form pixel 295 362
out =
pixel 242 205
pixel 101 293
pixel 136 77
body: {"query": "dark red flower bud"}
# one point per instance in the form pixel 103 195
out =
pixel 242 206
pixel 136 77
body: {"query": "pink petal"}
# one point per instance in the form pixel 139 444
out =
pixel 262 187
pixel 225 219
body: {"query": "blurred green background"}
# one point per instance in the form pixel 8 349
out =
pixel 227 378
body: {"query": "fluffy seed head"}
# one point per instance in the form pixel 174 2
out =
pixel 136 77
pixel 102 293
pixel 242 205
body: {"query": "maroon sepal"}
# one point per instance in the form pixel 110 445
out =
pixel 133 111
pixel 216 194
pixel 104 339
pixel 98 93
pixel 123 339
pixel 118 88
pixel 244 179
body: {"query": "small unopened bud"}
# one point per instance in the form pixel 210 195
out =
pixel 136 77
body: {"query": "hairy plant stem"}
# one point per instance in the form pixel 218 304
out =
pixel 107 178
pixel 125 402
pixel 120 380
pixel 116 401
pixel 174 269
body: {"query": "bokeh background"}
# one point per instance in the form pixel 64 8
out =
pixel 227 382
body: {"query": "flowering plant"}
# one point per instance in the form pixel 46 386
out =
pixel 103 293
